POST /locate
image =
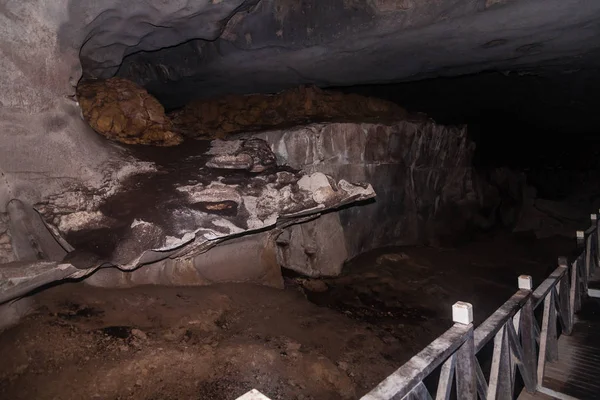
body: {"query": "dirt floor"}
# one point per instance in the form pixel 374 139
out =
pixel 317 339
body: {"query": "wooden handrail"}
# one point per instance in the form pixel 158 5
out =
pixel 514 330
pixel 501 316
pixel 404 379
pixel 547 285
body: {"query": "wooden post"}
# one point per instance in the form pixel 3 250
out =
pixel 445 382
pixel 466 389
pixel 588 256
pixel 548 345
pixel 594 241
pixel 501 379
pixel 528 336
pixel 580 239
pixel 564 292
pixel 419 392
pixel 597 223
pixel 574 295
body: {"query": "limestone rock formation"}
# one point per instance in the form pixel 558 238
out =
pixel 313 248
pixel 248 259
pixel 427 189
pixel 421 172
pixel 176 212
pixel 253 155
pixel 122 111
pixel 187 205
pixel 237 113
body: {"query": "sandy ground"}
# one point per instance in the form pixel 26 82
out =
pixel 317 339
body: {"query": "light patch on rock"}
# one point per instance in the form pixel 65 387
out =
pixel 224 147
pixel 391 257
pixel 233 229
pixel 313 182
pixel 355 190
pixel 227 161
pixel 82 219
pixel 134 168
pixel 172 242
pixel 215 192
pixel 137 222
pixel 319 185
pixel 250 205
pixel 268 202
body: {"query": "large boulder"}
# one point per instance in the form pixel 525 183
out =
pixel 120 110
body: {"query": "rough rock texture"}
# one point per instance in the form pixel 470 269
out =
pixel 248 259
pixel 252 155
pixel 193 199
pixel 277 44
pixel 255 112
pixel 314 248
pixel 179 211
pixel 30 238
pixel 427 190
pixel 50 157
pixel 244 45
pixel 120 110
pixel 6 251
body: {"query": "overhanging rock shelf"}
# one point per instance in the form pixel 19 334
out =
pixel 196 196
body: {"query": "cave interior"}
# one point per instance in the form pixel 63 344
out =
pixel 332 148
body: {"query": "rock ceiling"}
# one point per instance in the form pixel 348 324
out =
pixel 269 45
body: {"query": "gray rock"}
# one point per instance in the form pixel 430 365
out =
pixel 253 155
pixel 427 189
pixel 315 248
pixel 31 239
pixel 248 259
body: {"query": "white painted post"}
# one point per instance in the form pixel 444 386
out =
pixel 525 282
pixel 465 375
pixel 580 238
pixel 462 313
pixel 597 241
pixel 253 395
pixel 594 251
pixel 524 327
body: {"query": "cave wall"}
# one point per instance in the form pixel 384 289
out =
pixel 47 151
pixel 240 46
pixel 45 146
pixel 427 189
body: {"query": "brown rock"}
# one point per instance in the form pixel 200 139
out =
pixel 242 113
pixel 120 110
pixel 315 285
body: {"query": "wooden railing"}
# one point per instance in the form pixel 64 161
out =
pixel 520 340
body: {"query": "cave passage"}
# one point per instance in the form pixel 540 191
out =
pixel 202 198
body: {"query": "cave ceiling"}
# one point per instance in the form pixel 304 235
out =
pixel 188 49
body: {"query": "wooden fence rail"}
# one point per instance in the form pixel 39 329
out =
pixel 520 341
